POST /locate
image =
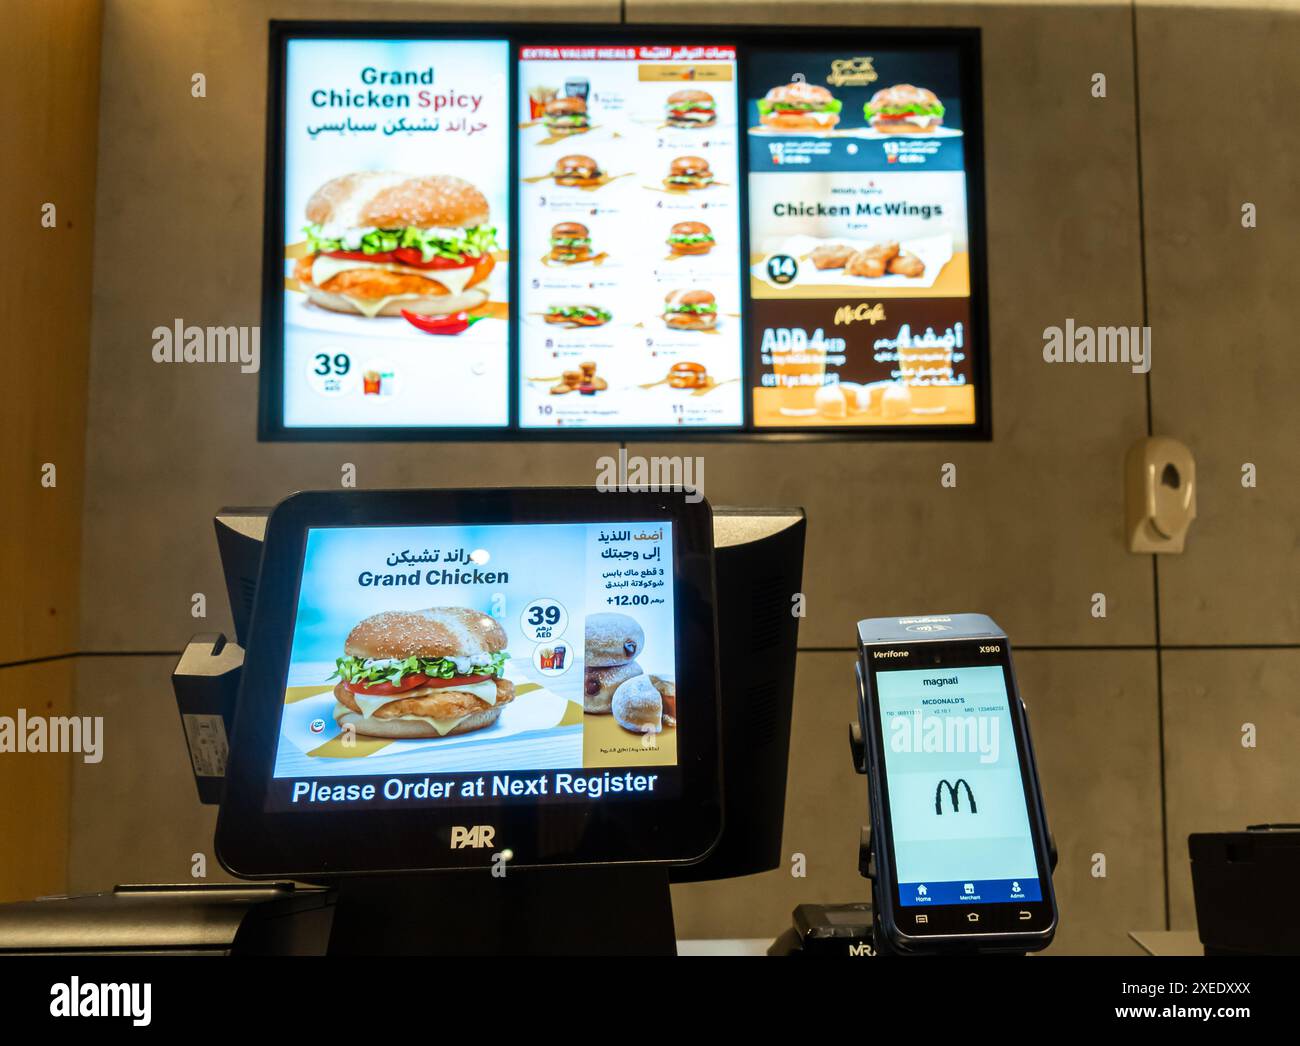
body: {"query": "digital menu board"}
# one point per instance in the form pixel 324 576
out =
pixel 395 295
pixel 629 226
pixel 563 232
pixel 859 271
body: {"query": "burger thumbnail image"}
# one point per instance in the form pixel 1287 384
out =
pixel 799 107
pixel 577 169
pixel 688 172
pixel 578 315
pixel 379 242
pixel 904 109
pixel 687 375
pixel 690 238
pixel 693 310
pixel 570 242
pixel 566 115
pixel 691 108
pixel 423 673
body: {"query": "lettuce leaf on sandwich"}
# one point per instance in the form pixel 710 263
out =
pixel 367 671
pixel 473 242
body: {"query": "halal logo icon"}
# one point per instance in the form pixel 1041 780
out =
pixel 954 796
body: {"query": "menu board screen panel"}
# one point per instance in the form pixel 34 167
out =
pixel 860 263
pixel 395 205
pixel 571 230
pixel 629 232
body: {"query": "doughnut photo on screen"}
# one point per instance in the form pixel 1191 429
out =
pixel 465 649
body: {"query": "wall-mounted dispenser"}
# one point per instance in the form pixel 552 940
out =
pixel 1159 494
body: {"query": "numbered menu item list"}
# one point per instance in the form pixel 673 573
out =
pixel 628 205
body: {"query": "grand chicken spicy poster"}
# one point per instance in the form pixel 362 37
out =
pixel 396 299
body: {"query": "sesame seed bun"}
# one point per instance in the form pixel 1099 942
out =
pixel 905 95
pixel 570 230
pixel 565 105
pixel 691 297
pixel 436 632
pixel 689 165
pixel 809 94
pixel 386 200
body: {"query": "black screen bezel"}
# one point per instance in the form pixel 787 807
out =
pixel 965 41
pixel 253 842
pixel 999 923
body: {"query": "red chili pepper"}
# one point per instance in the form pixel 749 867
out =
pixel 453 324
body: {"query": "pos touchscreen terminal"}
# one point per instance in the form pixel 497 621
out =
pixel 492 681
pixel 960 856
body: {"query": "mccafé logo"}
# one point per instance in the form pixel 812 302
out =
pixel 477 836
pixel 873 314
pixel 953 796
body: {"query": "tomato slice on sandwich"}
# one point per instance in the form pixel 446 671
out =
pixel 387 689
pixel 406 256
pixel 412 681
